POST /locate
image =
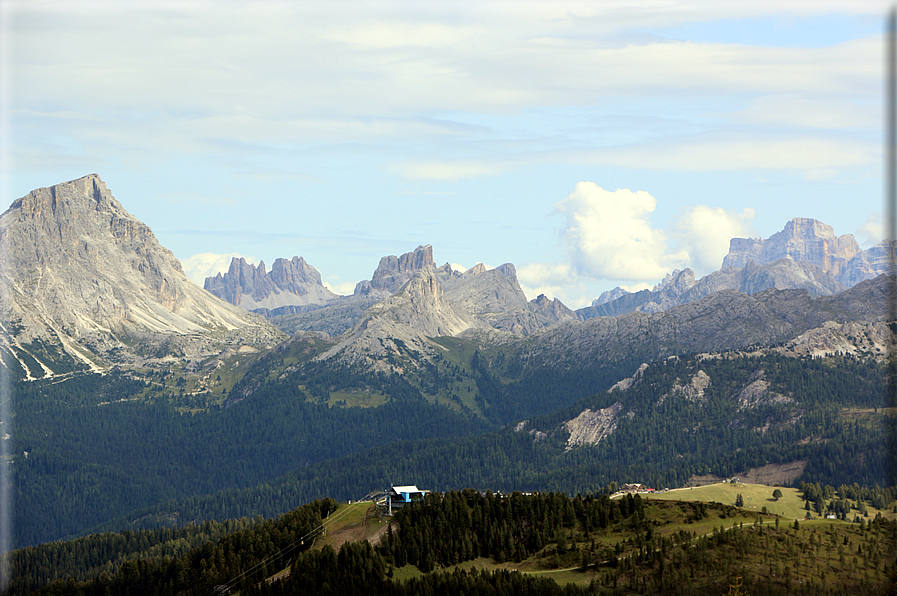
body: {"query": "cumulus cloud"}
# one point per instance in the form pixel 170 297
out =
pixel 872 232
pixel 704 232
pixel 609 235
pixel 555 280
pixel 609 239
pixel 208 264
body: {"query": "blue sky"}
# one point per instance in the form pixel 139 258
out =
pixel 592 144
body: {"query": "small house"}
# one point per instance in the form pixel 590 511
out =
pixel 399 496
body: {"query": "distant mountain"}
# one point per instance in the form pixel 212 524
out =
pixel 393 272
pixel 87 285
pixel 290 283
pixel 484 299
pixel 402 322
pixel 853 321
pixel 495 297
pixel 418 352
pixel 802 239
pixel 806 254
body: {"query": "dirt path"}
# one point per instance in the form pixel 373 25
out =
pixel 367 529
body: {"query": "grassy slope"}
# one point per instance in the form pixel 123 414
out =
pixel 357 521
pixel 756 496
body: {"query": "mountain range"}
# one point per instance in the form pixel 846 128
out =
pixel 458 371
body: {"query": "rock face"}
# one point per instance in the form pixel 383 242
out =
pixel 432 302
pixel 871 263
pixel 725 321
pixel 86 284
pixel 811 241
pixel 803 239
pixel 478 299
pixel 692 392
pixel 591 427
pixel 805 255
pixel 757 393
pixel 401 323
pixel 393 272
pixel 494 297
pixel 289 283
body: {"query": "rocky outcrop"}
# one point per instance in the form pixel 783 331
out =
pixel 757 394
pixel 402 324
pixel 591 427
pixel 692 392
pixel 850 338
pixel 86 284
pixel 803 239
pixel 624 384
pixel 289 283
pixel 393 272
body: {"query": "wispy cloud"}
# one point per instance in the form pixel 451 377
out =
pixel 444 170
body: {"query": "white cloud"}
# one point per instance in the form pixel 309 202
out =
pixel 610 239
pixel 872 232
pixel 344 288
pixel 555 280
pixel 704 233
pixel 824 111
pixel 534 274
pixel 434 170
pixel 207 264
pixel 609 235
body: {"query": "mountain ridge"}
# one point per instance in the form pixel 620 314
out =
pixel 86 284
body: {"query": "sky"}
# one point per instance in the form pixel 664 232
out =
pixel 592 144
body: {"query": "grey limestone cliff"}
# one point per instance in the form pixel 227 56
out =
pixel 393 272
pixel 851 321
pixel 86 284
pixel 806 255
pixel 289 283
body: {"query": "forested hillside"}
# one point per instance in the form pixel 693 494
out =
pixel 833 425
pixel 80 463
pixel 484 543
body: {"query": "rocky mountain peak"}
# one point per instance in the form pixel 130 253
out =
pixel 677 283
pixel 86 276
pixel 476 270
pixel 802 239
pixel 405 320
pixel 508 270
pixel 291 282
pixel 393 272
pixel 805 254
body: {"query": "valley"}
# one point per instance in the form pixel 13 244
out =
pixel 144 404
